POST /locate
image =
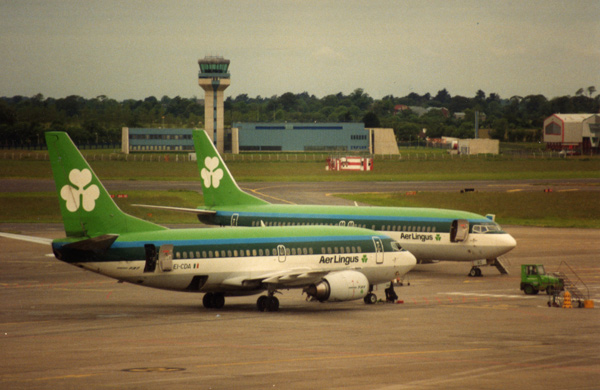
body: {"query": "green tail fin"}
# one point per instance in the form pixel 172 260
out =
pixel 86 207
pixel 218 185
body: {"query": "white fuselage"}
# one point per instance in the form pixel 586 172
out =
pixel 437 246
pixel 230 274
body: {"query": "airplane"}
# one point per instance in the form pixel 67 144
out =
pixel 430 234
pixel 327 263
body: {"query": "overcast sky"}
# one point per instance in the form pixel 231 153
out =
pixel 135 49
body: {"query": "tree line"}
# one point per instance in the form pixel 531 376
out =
pixel 23 120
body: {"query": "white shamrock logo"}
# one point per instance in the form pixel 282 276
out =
pixel 210 174
pixel 75 196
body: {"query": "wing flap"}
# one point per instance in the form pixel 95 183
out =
pixel 291 278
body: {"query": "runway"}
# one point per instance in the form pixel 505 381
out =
pixel 65 328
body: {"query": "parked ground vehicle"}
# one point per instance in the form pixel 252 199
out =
pixel 534 279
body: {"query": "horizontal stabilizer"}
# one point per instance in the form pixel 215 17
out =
pixel 179 209
pixel 96 244
pixel 37 240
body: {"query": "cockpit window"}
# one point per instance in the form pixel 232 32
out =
pixel 487 228
pixel 396 246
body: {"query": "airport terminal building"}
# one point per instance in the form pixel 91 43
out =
pixel 270 137
pixel 302 137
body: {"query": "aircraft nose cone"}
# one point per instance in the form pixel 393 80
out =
pixel 409 259
pixel 507 243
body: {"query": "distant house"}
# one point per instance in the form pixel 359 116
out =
pixel 420 111
pixel 573 132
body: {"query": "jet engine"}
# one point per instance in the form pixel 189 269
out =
pixel 339 286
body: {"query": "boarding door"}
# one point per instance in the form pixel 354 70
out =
pixel 151 258
pixel 459 230
pixel 165 257
pixel 281 253
pixel 234 219
pixel 378 250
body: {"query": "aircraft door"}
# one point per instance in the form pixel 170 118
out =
pixel 459 230
pixel 234 219
pixel 151 257
pixel 281 253
pixel 165 257
pixel 378 250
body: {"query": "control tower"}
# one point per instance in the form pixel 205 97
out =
pixel 213 78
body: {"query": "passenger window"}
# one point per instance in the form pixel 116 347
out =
pixel 335 249
pixel 260 252
pixel 197 254
pixel 253 252
pixel 228 253
pixel 267 252
pixel 210 254
pixel 329 251
pixel 293 251
pixel 222 253
pixel 178 255
pixel 204 254
pixel 184 254
pixel 235 253
pixel 310 250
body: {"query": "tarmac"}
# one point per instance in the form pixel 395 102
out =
pixel 65 328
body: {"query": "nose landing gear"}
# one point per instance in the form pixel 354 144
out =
pixel 475 271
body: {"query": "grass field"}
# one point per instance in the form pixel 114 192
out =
pixel 475 168
pixel 573 209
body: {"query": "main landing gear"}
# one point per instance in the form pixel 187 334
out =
pixel 370 298
pixel 213 300
pixel 268 302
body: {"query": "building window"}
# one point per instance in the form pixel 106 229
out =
pixel 553 129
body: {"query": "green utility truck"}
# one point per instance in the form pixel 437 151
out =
pixel 534 279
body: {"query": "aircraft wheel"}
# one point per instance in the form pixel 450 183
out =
pixel 478 272
pixel 370 299
pixel 218 301
pixel 473 272
pixel 207 301
pixel 261 303
pixel 272 304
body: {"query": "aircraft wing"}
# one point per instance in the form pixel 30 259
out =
pixel 180 209
pixel 37 240
pixel 291 278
